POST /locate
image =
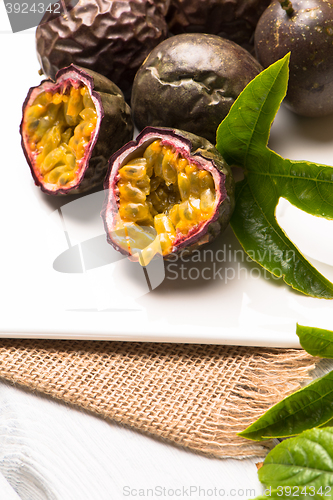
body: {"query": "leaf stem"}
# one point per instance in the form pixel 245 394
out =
pixel 287 6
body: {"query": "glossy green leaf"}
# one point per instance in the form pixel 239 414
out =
pixel 311 406
pixel 303 461
pixel 316 341
pixel 242 139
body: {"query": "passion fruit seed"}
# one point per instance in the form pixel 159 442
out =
pixel 163 191
pixel 60 125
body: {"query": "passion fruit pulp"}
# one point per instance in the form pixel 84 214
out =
pixel 166 192
pixel 71 127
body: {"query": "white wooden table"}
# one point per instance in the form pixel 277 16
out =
pixel 50 451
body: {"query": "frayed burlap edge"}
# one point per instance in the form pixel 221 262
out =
pixel 196 396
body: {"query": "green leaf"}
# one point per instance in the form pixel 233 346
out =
pixel 262 238
pixel 311 406
pixel 316 341
pixel 242 139
pixel 248 123
pixel 303 461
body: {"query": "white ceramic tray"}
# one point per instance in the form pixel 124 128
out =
pixel 224 299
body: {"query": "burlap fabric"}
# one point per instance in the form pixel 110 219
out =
pixel 197 396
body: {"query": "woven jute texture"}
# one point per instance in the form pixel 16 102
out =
pixel 197 396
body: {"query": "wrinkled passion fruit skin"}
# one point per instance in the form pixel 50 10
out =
pixel 200 153
pixel 111 37
pixel 232 19
pixel 308 35
pixel 114 128
pixel 190 82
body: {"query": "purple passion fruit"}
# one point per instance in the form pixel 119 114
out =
pixel 111 37
pixel 71 127
pixel 232 19
pixel 167 191
pixel 190 82
pixel 306 30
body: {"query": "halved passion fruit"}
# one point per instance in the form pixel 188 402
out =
pixel 71 127
pixel 167 191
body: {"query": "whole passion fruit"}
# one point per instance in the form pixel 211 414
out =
pixel 70 128
pixel 167 191
pixel 111 37
pixel 232 19
pixel 304 28
pixel 190 82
